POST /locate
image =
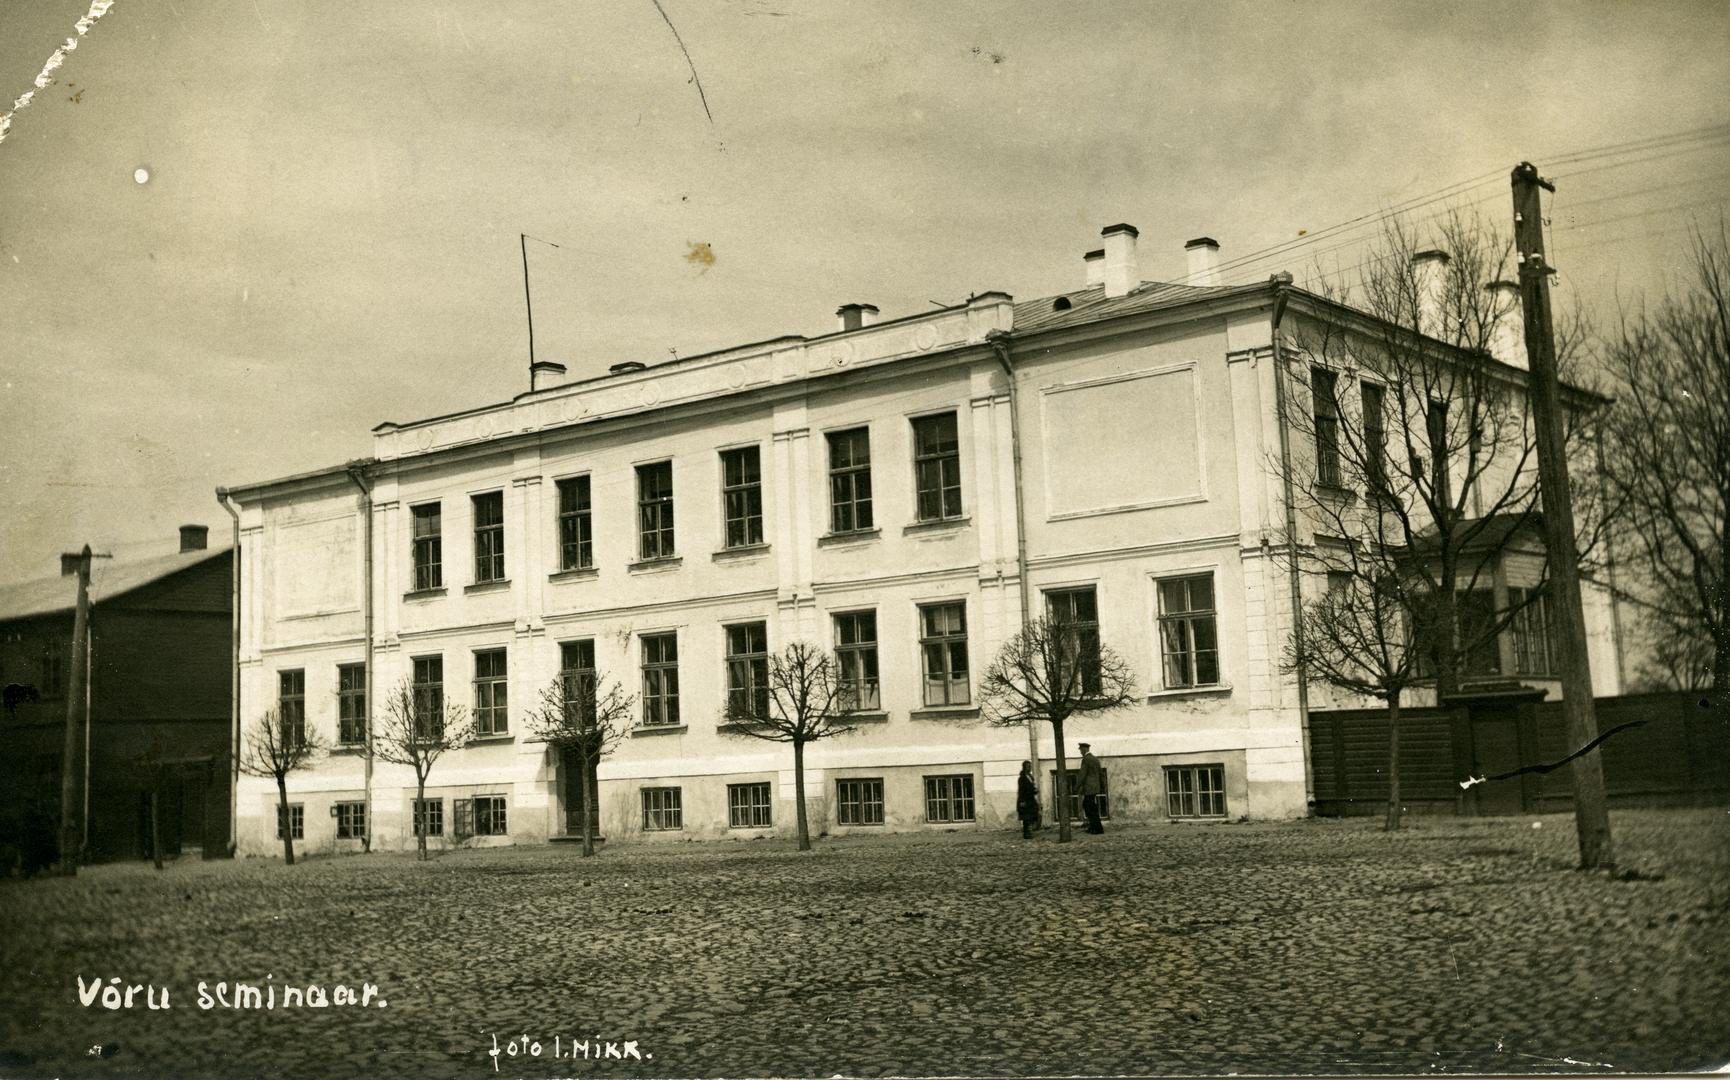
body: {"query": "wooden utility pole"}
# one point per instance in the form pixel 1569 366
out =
pixel 71 830
pixel 1591 812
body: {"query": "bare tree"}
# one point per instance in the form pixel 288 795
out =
pixel 419 726
pixel 586 715
pixel 273 749
pixel 1413 472
pixel 1667 452
pixel 1050 670
pixel 796 696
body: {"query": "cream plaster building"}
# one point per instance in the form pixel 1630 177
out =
pixel 897 490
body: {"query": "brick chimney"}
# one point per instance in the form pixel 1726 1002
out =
pixel 1508 339
pixel 1121 274
pixel 194 537
pixel 1203 254
pixel 1429 276
pixel 854 316
pixel 1095 263
pixel 545 374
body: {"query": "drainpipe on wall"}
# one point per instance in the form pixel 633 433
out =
pixel 1281 282
pixel 357 472
pixel 234 677
pixel 1000 340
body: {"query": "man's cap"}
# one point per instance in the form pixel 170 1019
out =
pixel 1084 745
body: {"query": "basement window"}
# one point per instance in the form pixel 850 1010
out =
pixel 1061 304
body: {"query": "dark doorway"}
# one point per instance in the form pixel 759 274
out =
pixel 575 776
pixel 1496 749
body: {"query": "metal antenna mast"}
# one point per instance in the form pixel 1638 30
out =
pixel 523 243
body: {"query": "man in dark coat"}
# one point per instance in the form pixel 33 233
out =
pixel 1092 787
pixel 1027 801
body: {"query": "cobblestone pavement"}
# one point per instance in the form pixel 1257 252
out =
pixel 1319 946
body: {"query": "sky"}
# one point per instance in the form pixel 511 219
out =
pixel 327 233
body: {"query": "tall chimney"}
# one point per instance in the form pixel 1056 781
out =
pixel 1508 339
pixel 1429 275
pixel 1203 254
pixel 194 537
pixel 545 374
pixel 1121 275
pixel 854 316
pixel 1095 263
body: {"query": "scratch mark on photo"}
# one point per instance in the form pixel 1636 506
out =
pixel 695 78
pixel 98 8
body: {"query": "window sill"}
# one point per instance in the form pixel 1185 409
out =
pixel 655 566
pixel 349 748
pixel 946 712
pixel 856 536
pixel 581 573
pixel 938 525
pixel 424 594
pixel 501 737
pixel 744 552
pixel 1211 690
pixel 871 716
pixel 659 729
pixel 1336 492
pixel 741 726
pixel 501 585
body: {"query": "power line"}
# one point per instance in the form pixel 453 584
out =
pixel 1668 145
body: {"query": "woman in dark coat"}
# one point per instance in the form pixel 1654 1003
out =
pixel 1027 801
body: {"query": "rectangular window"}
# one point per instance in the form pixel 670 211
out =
pixel 428 687
pixel 428 547
pixel 1480 645
pixel 748 806
pixel 429 817
pixel 660 680
pixel 492 712
pixel 742 496
pixel 748 670
pixel 662 811
pixel 1195 791
pixel 856 653
pixel 351 704
pixel 577 669
pixel 850 480
pixel 655 510
pixel 296 821
pixel 1534 644
pixel 937 467
pixel 1372 397
pixel 1074 615
pixel 943 644
pixel 1323 384
pixel 1436 429
pixel 51 671
pixel 948 799
pixel 859 802
pixel 489 537
pixel 490 816
pixel 1188 635
pixel 576 525
pixel 350 820
pixel 1104 801
pixel 291 706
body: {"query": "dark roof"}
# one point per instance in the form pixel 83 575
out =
pixel 47 596
pixel 1091 305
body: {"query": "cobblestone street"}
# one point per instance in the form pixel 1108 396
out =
pixel 1319 946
